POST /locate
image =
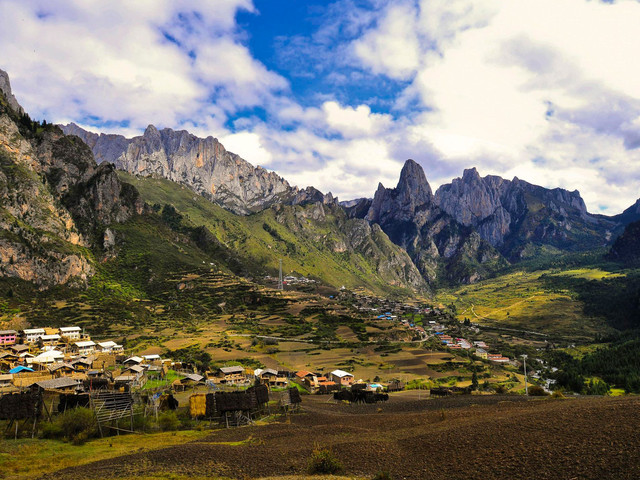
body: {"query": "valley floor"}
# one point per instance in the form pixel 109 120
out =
pixel 411 437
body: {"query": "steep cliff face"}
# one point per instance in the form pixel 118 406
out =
pixel 519 218
pixel 442 248
pixel 55 201
pixel 201 164
pixel 626 248
pixel 631 214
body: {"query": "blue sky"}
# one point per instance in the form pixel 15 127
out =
pixel 338 94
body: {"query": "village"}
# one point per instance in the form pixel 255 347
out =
pixel 66 359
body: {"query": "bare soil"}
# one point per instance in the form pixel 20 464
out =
pixel 415 437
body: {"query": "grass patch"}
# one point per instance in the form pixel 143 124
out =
pixel 32 458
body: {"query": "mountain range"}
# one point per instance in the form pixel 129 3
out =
pixel 63 188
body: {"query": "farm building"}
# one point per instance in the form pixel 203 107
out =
pixel 481 352
pixel 8 360
pixel 497 358
pixel 70 333
pixel 231 375
pixel 61 385
pixel 109 347
pixel 48 357
pixel 31 335
pixel 133 361
pixel 85 347
pixel 61 369
pixel 6 381
pixel 19 348
pixel 342 378
pixel 82 364
pixel 191 380
pixel 50 339
pixel 8 337
pixel 270 376
pixel 395 386
pixel 302 374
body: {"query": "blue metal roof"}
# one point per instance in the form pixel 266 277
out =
pixel 20 369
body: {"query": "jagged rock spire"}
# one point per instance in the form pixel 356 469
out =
pixel 5 87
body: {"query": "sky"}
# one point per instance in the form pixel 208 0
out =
pixel 339 94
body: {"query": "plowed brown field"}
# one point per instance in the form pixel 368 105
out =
pixel 472 437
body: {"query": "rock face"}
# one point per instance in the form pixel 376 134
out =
pixel 626 248
pixel 631 214
pixel 5 88
pixel 313 195
pixel 203 165
pixel 55 201
pixel 519 218
pixel 442 248
pixel 365 246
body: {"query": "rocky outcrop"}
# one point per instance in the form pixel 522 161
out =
pixel 55 201
pixel 313 195
pixel 438 244
pixel 5 89
pixel 519 218
pixel 202 164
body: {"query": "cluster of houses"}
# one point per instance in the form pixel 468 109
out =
pixel 479 348
pixel 338 379
pixel 58 358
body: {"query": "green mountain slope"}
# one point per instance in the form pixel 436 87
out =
pixel 317 241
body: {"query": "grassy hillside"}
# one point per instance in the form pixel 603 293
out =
pixel 310 240
pixel 546 301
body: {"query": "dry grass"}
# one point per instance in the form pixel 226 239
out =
pixel 27 458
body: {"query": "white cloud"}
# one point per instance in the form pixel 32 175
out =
pixel 543 89
pixel 112 61
pixel 507 83
pixel 393 48
pixel 247 145
pixel 353 122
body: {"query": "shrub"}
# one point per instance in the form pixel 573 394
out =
pixel 76 425
pixel 500 389
pixel 168 421
pixel 324 461
pixel 557 394
pixel 537 391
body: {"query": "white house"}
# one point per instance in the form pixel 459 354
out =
pixel 71 333
pixel 50 340
pixel 31 335
pixel 85 347
pixel 48 357
pixel 133 361
pixel 109 347
pixel 341 377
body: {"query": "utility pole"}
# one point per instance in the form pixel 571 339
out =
pixel 280 283
pixel 526 389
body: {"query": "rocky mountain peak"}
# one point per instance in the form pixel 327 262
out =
pixel 151 130
pixel 470 174
pixel 412 193
pixel 413 182
pixel 5 88
pixel 202 164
